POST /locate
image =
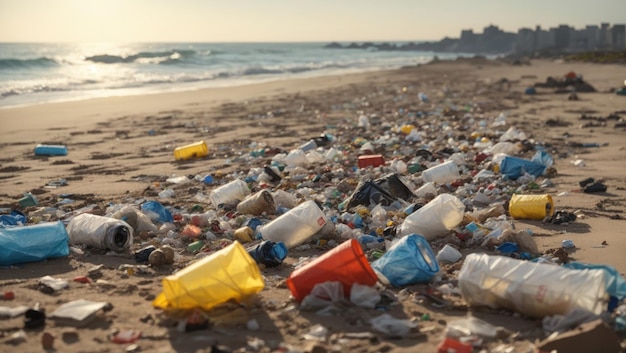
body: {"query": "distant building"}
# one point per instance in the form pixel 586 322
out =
pixel 604 41
pixel 592 33
pixel 618 37
pixel 544 39
pixel 525 41
pixel 570 39
pixel 562 39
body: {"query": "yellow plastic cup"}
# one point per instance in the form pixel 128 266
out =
pixel 531 206
pixel 194 150
pixel 230 273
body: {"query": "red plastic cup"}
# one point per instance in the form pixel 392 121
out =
pixel 452 345
pixel 346 264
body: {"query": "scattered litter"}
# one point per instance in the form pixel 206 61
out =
pixel 391 326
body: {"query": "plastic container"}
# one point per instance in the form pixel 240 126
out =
pixel 257 204
pixel 296 226
pixel 33 243
pixel 435 219
pixel 410 260
pixel 346 264
pixel 50 150
pixel 234 191
pixel 28 200
pixel 227 274
pixel 373 160
pixel 442 173
pixel 514 167
pixel 193 150
pixel 531 206
pixel 533 289
pixel 100 232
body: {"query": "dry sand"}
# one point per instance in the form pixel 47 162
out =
pixel 120 150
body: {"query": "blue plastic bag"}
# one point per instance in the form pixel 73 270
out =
pixel 514 167
pixel 16 218
pixel 544 158
pixel 410 260
pixel 269 253
pixel 33 243
pixel 155 207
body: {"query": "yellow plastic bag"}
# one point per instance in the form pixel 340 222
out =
pixel 531 206
pixel 230 273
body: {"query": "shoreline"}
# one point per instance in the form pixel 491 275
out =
pixel 74 113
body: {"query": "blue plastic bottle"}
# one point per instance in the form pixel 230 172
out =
pixel 50 150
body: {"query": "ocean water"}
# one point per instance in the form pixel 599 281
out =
pixel 32 73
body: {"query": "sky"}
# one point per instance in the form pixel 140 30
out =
pixel 285 20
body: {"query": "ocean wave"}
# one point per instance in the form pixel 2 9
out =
pixel 261 71
pixel 26 63
pixel 142 57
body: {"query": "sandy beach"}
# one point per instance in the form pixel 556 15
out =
pixel 121 152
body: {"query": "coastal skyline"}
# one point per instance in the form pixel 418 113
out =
pixel 284 21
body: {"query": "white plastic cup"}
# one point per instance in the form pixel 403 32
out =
pixel 448 254
pixel 296 226
pixel 236 190
pixel 296 158
pixel 426 189
pixel 442 173
pixel 257 204
pixel 435 219
pixel 331 154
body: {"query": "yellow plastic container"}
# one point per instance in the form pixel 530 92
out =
pixel 531 206
pixel 406 129
pixel 230 273
pixel 194 150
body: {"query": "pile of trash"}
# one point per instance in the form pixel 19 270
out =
pixel 570 82
pixel 393 202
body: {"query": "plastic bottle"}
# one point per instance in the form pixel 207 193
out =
pixel 100 232
pixel 50 150
pixel 434 219
pixel 296 226
pixel 442 173
pixel 236 190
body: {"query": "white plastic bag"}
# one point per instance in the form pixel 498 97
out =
pixel 531 288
